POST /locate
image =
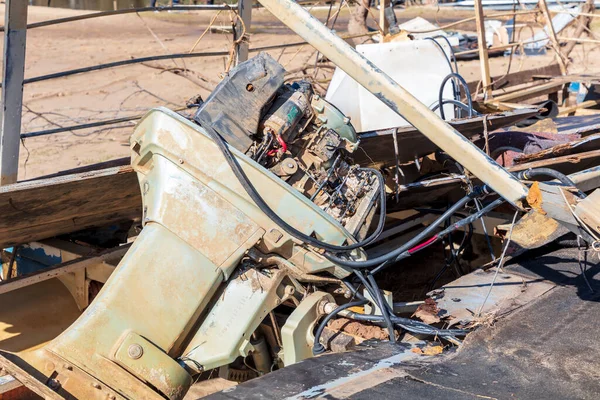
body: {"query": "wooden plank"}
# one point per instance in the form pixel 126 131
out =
pixel 62 269
pixel 552 34
pixel 43 208
pixel 588 210
pixel 538 90
pixel 580 106
pixel 383 22
pixel 377 148
pixel 486 79
pixel 26 379
pixel 517 78
pixel 13 69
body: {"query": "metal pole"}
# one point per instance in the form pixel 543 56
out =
pixel 245 14
pixel 397 98
pixel 13 69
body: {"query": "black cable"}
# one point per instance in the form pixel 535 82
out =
pixel 375 293
pixel 462 81
pixel 410 325
pixel 453 227
pixel 397 254
pixel 318 348
pixel 211 7
pixel 455 90
pixel 264 207
pixel 456 103
pixel 451 50
pixel 562 178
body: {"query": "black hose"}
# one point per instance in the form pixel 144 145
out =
pixel 318 348
pixel 410 325
pixel 375 292
pixel 465 87
pixel 450 48
pixel 395 254
pixel 562 178
pixel 264 207
pixel 456 103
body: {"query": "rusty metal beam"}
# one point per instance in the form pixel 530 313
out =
pixel 397 98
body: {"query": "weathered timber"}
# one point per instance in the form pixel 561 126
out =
pixel 377 148
pixel 43 208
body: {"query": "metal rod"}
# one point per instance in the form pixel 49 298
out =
pixel 244 10
pixel 122 11
pixel 13 69
pixel 397 98
pixel 166 57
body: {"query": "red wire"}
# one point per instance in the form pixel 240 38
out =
pixel 423 245
pixel 281 143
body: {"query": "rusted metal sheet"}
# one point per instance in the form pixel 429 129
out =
pixel 575 147
pixel 469 298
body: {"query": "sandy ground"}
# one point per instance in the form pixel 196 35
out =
pixel 132 90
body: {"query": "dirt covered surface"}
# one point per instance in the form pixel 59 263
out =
pixel 133 90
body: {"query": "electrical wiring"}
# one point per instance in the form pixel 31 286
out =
pixel 318 348
pixel 562 178
pixel 264 207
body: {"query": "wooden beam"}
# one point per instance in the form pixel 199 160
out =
pixel 383 22
pixel 552 35
pixel 62 269
pixel 44 208
pixel 483 51
pixel 13 69
pixel 534 91
pixel 26 378
pixel 580 106
pixel 588 210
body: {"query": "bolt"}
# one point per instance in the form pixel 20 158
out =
pixel 180 161
pixel 96 385
pixel 135 351
pixel 290 165
pixel 68 367
pixel 250 87
pixel 316 97
pixel 289 290
pixel 53 384
pixel 346 120
pixel 111 397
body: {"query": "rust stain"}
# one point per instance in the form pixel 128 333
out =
pixel 534 198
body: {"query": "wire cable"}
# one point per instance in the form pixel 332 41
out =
pixel 264 207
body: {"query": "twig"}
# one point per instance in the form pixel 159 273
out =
pixel 212 21
pixel 500 263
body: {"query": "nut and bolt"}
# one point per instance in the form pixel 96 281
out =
pixel 250 87
pixel 135 351
pixel 96 385
pixel 289 290
pixel 53 384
